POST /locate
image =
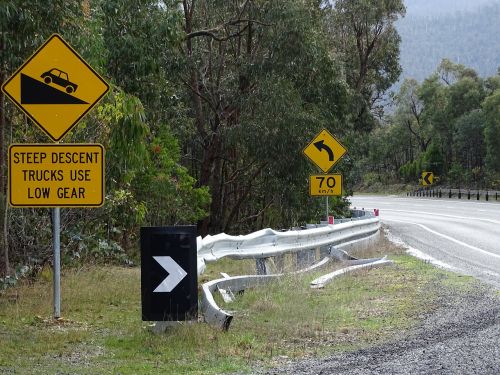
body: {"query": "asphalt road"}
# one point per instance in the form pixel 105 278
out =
pixel 462 234
pixel 462 335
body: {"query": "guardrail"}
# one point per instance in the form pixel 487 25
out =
pixel 269 243
pixel 469 194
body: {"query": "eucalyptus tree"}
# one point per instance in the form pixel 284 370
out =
pixel 491 108
pixel 409 109
pixel 364 36
pixel 260 82
pixel 469 142
pixel 142 40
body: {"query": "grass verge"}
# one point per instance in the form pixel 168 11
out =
pixel 102 332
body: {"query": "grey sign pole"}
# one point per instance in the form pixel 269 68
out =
pixel 327 209
pixel 56 245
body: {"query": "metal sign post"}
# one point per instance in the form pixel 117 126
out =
pixel 56 246
pixel 327 210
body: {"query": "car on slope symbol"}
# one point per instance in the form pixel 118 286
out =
pixel 59 78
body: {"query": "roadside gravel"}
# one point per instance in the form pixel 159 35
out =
pixel 461 336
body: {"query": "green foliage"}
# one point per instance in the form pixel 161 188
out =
pixel 364 38
pixel 432 160
pixel 458 175
pixel 491 108
pixel 168 187
pixel 447 125
pixel 128 132
pixel 469 141
pixel 140 36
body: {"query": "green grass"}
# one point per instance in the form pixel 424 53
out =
pixel 102 331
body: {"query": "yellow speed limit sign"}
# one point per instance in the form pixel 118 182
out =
pixel 325 185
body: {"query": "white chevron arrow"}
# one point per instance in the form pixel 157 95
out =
pixel 175 274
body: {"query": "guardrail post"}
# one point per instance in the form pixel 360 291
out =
pixel 260 266
pixel 478 195
pixel 459 194
pixel 486 195
pixel 496 195
pixel 468 195
pixel 449 196
pixel 304 258
pixel 440 194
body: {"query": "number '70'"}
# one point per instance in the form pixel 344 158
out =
pixel 330 181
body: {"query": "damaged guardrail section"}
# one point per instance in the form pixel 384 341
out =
pixel 268 243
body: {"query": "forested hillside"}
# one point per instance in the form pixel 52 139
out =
pixel 428 8
pixel 462 31
pixel 211 105
pixel 449 125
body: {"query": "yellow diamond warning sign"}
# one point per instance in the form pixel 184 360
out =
pixel 325 150
pixel 55 87
pixel 60 175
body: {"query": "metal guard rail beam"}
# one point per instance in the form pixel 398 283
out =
pixel 218 317
pixel 267 242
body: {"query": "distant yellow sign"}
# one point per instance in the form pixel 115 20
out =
pixel 325 185
pixel 55 87
pixel 427 178
pixel 60 175
pixel 325 150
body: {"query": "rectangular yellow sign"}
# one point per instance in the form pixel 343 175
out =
pixel 56 175
pixel 325 185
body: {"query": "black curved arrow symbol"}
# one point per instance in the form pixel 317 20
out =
pixel 320 145
pixel 427 178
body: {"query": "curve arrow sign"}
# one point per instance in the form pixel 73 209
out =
pixel 427 178
pixel 320 145
pixel 175 274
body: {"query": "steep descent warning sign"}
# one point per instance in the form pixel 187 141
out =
pixel 55 87
pixel 61 175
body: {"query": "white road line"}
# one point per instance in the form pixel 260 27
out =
pixel 435 200
pixel 450 238
pixel 444 215
pixel 417 253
